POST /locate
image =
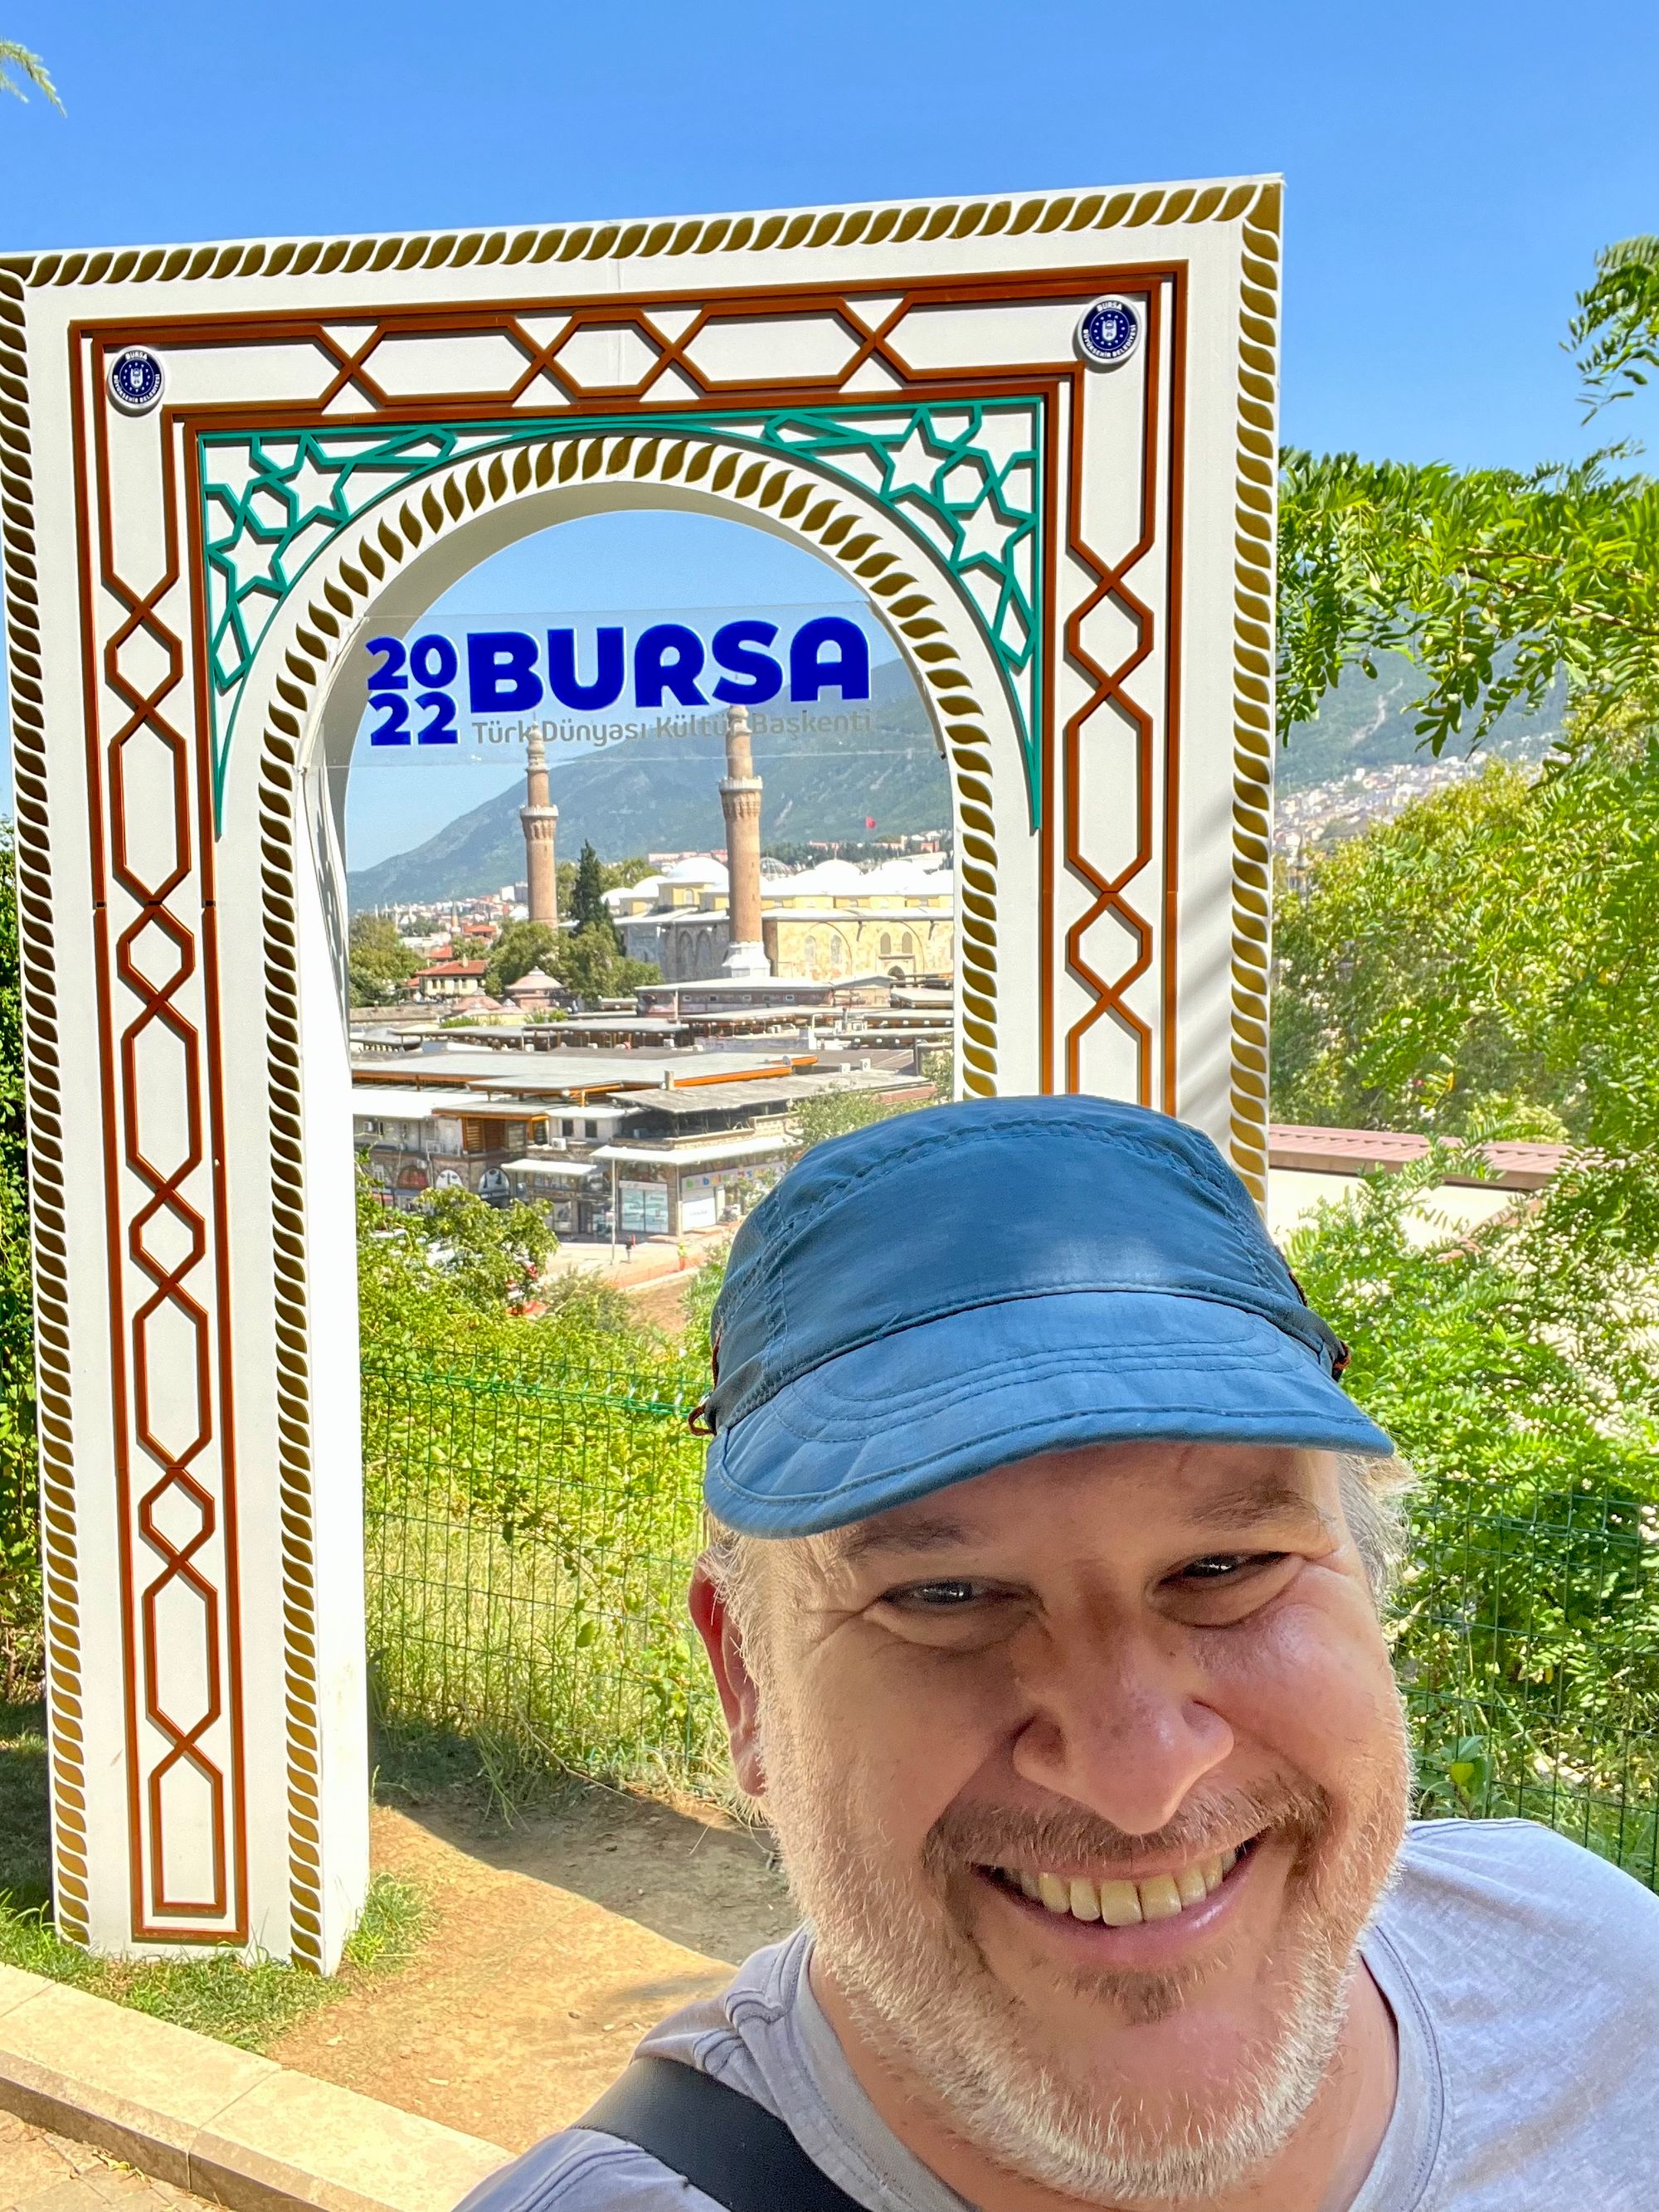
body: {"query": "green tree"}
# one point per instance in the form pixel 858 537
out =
pixel 377 961
pixel 612 875
pixel 1489 957
pixel 587 908
pixel 1496 581
pixel 521 946
pixel 490 1256
pixel 453 1245
pixel 452 1276
pixel 590 964
pixel 1616 330
pixel 1512 1364
pixel 1488 960
pixel 13 56
pixel 838 1113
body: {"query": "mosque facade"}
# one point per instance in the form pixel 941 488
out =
pixel 823 923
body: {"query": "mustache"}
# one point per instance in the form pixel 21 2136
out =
pixel 993 1835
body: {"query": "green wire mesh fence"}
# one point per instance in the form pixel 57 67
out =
pixel 1528 1642
pixel 529 1541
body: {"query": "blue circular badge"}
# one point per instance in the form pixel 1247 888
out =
pixel 136 379
pixel 1108 332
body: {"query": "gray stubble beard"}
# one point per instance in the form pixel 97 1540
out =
pixel 924 1998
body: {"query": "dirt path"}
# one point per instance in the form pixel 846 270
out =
pixel 662 1305
pixel 552 1946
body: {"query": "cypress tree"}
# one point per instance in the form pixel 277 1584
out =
pixel 587 908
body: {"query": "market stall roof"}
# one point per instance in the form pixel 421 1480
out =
pixel 778 1091
pixel 393 1102
pixel 1506 1164
pixel 709 1149
pixel 552 1170
pixel 526 1091
pixel 574 1067
pixel 762 988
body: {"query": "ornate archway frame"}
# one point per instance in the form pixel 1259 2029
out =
pixel 1076 562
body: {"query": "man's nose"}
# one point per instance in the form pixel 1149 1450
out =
pixel 1120 1726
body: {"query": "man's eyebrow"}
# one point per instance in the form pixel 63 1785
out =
pixel 1247 1505
pixel 934 1533
pixel 1243 1506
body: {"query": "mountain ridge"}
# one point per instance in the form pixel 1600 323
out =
pixel 660 794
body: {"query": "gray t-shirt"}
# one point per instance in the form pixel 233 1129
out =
pixel 1523 1972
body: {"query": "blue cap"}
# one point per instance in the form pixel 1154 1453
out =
pixel 952 1290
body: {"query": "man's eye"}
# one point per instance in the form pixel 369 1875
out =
pixel 940 1597
pixel 1227 1566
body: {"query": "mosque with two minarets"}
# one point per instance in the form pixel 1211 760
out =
pixel 743 917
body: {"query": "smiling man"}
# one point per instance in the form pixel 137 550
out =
pixel 1045 1615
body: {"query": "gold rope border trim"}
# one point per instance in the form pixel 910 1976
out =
pixel 790 493
pixel 59 1548
pixel 1255 573
pixel 671 237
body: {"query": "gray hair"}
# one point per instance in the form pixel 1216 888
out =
pixel 1373 1492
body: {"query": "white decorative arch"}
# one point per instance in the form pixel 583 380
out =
pixel 1075 559
pixel 305 686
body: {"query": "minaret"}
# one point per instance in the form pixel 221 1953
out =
pixel 541 830
pixel 740 799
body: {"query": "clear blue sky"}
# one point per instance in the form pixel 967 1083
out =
pixel 1451 168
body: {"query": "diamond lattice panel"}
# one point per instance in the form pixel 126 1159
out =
pixel 800 348
pixel 607 357
pixel 408 368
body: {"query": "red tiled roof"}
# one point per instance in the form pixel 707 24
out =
pixel 1510 1164
pixel 453 968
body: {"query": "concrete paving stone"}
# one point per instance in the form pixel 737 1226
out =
pixel 189 2113
pixel 69 2195
pixel 170 2082
pixel 40 2171
pixel 27 2163
pixel 16 1988
pixel 330 2147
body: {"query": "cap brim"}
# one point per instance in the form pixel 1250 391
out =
pixel 918 1410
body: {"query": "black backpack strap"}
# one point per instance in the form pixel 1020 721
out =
pixel 721 2141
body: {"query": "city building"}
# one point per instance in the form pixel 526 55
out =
pixel 737 916
pixel 609 1144
pixel 416 1140
pixel 536 993
pixel 820 923
pixel 449 979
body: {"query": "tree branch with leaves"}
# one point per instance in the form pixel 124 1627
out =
pixel 1496 582
pixel 13 58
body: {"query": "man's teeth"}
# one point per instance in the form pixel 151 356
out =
pixel 1120 1903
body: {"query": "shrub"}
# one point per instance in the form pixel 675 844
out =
pixel 1511 1363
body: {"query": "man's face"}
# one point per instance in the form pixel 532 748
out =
pixel 1146 1682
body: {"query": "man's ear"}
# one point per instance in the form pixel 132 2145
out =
pixel 739 1696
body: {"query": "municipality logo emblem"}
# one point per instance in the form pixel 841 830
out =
pixel 1109 332
pixel 136 379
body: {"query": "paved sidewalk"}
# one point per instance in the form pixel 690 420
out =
pixel 651 1259
pixel 43 2173
pixel 210 2119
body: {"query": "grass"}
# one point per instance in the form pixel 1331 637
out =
pixel 565 1655
pixel 529 1542
pixel 248 2005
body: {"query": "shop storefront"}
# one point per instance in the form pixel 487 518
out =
pixel 721 1195
pixel 642 1208
pixel 574 1195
